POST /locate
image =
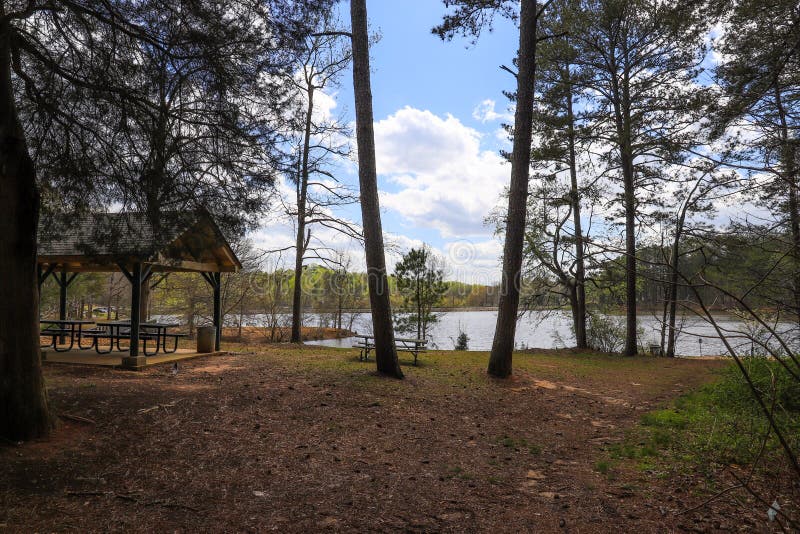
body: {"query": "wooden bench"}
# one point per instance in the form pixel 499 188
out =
pixel 413 346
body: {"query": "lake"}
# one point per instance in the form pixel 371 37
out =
pixel 548 330
pixel 552 329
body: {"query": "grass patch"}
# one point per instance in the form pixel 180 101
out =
pixel 665 419
pixel 519 445
pixel 605 468
pixel 602 467
pixel 720 423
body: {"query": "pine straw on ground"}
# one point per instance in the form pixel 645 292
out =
pixel 307 439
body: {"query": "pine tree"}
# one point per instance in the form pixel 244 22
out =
pixel 420 281
pixel 639 59
pixel 385 350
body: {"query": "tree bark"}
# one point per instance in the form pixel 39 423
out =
pixel 300 245
pixel 631 345
pixel 23 400
pixel 579 309
pixel 622 118
pixel 790 180
pixel 385 351
pixel 503 344
pixel 672 297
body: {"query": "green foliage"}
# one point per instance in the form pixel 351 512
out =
pixel 462 341
pixel 520 444
pixel 419 277
pixel 665 419
pixel 605 333
pixel 722 423
pixel 603 467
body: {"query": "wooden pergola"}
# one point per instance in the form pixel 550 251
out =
pixel 128 242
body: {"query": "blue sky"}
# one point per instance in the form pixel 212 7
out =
pixel 413 67
pixel 438 110
pixel 439 107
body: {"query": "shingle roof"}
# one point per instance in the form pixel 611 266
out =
pixel 188 241
pixel 111 234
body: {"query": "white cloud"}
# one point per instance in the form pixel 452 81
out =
pixel 438 177
pixel 485 112
pixel 446 181
pixel 464 260
pixel 324 107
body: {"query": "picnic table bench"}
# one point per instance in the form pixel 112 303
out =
pixel 59 329
pixel 413 346
pixel 115 331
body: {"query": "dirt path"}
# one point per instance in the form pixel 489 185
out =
pixel 298 440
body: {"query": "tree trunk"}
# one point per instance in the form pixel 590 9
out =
pixel 630 271
pixel 622 116
pixel 664 318
pixel 302 240
pixel 23 399
pixel 339 314
pixel 578 322
pixel 790 180
pixel 672 297
pixel 419 304
pixel 503 344
pixel 579 310
pixel 241 319
pixel 385 351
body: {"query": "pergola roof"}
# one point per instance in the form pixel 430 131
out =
pixel 103 242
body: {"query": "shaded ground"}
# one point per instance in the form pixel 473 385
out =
pixel 310 439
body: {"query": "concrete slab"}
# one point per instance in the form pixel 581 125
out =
pixel 115 359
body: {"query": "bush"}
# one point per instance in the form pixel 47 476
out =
pixel 462 341
pixel 605 333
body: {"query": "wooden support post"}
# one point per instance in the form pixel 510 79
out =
pixel 63 284
pixel 217 277
pixel 62 301
pixel 136 302
pixel 134 276
pixel 44 274
pixel 215 281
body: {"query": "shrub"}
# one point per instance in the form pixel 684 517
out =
pixel 605 333
pixel 462 341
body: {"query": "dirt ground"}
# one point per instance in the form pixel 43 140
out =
pixel 297 440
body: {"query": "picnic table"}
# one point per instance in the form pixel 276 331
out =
pixel 411 345
pixel 59 329
pixel 162 334
pixel 116 331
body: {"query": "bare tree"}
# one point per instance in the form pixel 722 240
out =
pixel 317 190
pixel 237 287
